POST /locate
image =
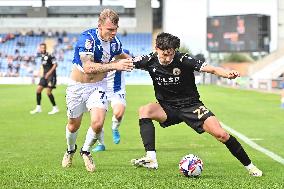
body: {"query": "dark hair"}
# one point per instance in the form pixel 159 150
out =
pixel 167 41
pixel 200 57
pixel 43 44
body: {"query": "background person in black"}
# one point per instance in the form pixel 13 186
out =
pixel 178 100
pixel 48 80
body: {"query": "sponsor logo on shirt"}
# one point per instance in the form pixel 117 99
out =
pixel 167 80
pixel 88 44
pixel 113 47
pixel 176 71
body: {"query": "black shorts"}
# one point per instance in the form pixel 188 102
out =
pixel 193 115
pixel 48 83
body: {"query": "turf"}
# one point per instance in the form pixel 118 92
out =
pixel 32 146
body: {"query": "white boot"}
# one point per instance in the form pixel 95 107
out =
pixel 36 110
pixel 54 110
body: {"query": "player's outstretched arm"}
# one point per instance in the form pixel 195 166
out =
pixel 122 56
pixel 90 67
pixel 230 74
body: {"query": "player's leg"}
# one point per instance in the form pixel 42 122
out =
pixel 100 142
pixel 147 113
pixel 97 121
pixel 282 96
pixel 97 105
pixel 75 109
pixel 71 135
pixel 38 99
pixel 118 112
pixel 118 104
pixel 212 126
pixel 50 87
pixel 52 100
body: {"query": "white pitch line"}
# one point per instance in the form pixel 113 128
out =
pixel 254 145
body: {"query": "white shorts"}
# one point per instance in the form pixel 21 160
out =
pixel 82 97
pixel 117 97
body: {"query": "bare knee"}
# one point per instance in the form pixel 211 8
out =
pixel 213 127
pixel 222 136
pixel 145 112
pixel 48 92
pixel 74 124
pixel 73 127
pixel 118 115
pixel 97 126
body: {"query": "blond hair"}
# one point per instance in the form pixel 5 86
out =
pixel 108 13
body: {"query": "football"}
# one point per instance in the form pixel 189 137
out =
pixel 191 166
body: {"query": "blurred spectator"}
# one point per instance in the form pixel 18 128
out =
pixel 17 69
pixel 59 40
pixel 124 33
pixel 17 33
pixel 42 33
pixel 20 43
pixel 10 60
pixel 49 33
pixel 30 33
pixel 66 39
pixel 1 56
pixel 57 34
pixel 64 33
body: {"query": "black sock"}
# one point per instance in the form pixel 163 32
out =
pixel 147 132
pixel 38 98
pixel 237 150
pixel 51 98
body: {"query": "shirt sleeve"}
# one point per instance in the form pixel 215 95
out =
pixel 53 60
pixel 141 62
pixel 192 62
pixel 85 44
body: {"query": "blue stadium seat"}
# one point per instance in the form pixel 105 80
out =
pixel 136 43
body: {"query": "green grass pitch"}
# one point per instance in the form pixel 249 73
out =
pixel 32 146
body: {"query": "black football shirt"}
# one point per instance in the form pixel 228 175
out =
pixel 173 83
pixel 47 61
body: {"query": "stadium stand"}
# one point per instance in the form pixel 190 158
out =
pixel 18 52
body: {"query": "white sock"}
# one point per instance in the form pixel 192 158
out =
pixel 151 154
pixel 249 166
pixel 101 137
pixel 71 139
pixel 38 106
pixel 91 138
pixel 115 123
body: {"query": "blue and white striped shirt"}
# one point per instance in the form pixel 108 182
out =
pixel 115 79
pixel 89 42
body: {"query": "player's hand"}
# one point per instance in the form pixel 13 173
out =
pixel 124 65
pixel 233 74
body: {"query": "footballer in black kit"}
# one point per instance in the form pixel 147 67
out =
pixel 173 78
pixel 48 62
pixel 47 80
pixel 175 88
